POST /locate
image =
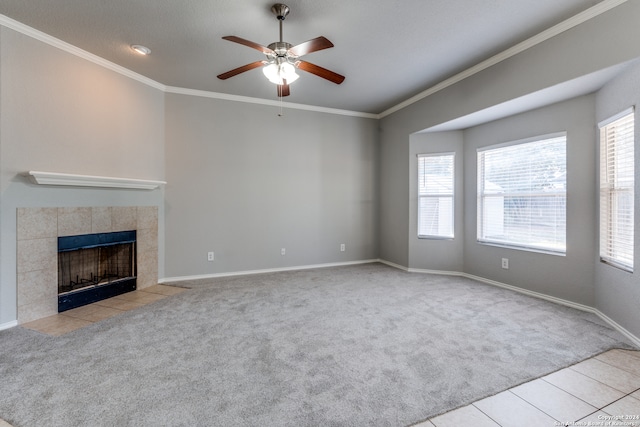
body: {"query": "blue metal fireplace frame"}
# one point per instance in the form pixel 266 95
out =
pixel 81 297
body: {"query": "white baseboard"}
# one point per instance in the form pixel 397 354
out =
pixel 618 327
pixel 392 264
pixel 441 272
pixel 531 293
pixel 268 270
pixel 635 340
pixel 8 325
pixel 631 337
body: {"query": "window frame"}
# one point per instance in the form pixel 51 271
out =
pixel 436 195
pixel 608 190
pixel 481 195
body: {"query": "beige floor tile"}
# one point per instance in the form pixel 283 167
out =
pixel 636 394
pixel 635 353
pixel 555 402
pixel 622 360
pixel 422 424
pixel 92 312
pixel 140 297
pixel 56 325
pixel 627 408
pixel 465 416
pixel 509 410
pixel 597 418
pixel 591 391
pixel 120 304
pixel 163 290
pixel 609 375
pixel 3 423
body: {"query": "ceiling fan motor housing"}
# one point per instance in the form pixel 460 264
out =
pixel 280 48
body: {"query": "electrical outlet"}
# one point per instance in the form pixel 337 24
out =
pixel 283 251
pixel 342 247
pixel 505 263
pixel 210 256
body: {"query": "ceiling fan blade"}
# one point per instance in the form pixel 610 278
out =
pixel 320 72
pixel 309 46
pixel 283 90
pixel 239 70
pixel 250 44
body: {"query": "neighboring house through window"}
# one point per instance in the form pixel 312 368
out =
pixel 522 194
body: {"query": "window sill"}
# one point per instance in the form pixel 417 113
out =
pixel 523 248
pixel 615 265
pixel 435 238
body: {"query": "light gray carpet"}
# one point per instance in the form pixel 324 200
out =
pixel 348 346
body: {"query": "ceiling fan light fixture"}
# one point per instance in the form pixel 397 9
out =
pixel 283 58
pixel 278 73
pixel 288 72
pixel 271 72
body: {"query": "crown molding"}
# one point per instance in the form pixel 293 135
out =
pixel 563 26
pixel 69 48
pixel 270 102
pixel 592 12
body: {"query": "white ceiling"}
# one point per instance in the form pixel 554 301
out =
pixel 388 51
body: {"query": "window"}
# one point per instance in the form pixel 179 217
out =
pixel 616 190
pixel 435 195
pixel 522 194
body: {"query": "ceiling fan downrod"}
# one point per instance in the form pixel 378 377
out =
pixel 280 48
pixel 281 11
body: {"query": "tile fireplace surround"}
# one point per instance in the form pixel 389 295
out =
pixel 38 230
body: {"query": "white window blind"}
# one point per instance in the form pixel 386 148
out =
pixel 617 191
pixel 435 195
pixel 522 194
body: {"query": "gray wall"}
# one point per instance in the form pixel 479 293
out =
pixel 617 292
pixel 394 191
pixel 437 254
pixel 245 183
pixel 569 277
pixel 240 186
pixel 604 41
pixel 61 113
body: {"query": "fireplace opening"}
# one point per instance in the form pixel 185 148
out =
pixel 93 267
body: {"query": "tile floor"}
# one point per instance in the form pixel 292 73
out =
pixel 601 391
pixel 77 318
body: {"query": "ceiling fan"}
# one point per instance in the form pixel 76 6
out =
pixel 283 58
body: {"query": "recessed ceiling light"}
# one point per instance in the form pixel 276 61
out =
pixel 142 50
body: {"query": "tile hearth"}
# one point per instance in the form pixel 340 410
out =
pixel 68 321
pixel 37 255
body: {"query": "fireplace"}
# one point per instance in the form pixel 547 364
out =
pixel 93 267
pixel 38 229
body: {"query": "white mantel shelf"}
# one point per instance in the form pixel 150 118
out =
pixel 54 178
